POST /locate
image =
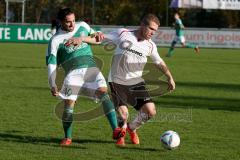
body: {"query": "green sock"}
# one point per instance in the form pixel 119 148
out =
pixel 170 52
pixel 67 119
pixel 190 45
pixel 109 110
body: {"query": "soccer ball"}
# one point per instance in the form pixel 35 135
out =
pixel 170 140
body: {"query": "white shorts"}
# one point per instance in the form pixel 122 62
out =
pixel 82 81
pixel 179 39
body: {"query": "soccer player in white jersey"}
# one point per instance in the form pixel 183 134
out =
pixel 80 70
pixel 133 47
pixel 179 37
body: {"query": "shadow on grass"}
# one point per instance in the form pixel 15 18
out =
pixel 207 102
pixel 34 88
pixel 18 136
pixel 228 104
pixel 220 86
pixel 85 141
pixel 15 136
pixel 141 148
pixel 21 67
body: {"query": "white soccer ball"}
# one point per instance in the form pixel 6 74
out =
pixel 170 140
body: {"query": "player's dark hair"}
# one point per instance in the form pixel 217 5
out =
pixel 150 18
pixel 62 13
pixel 55 24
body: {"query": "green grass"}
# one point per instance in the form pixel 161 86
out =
pixel 204 109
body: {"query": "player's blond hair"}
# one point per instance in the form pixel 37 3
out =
pixel 150 18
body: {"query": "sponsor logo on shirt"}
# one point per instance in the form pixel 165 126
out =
pixel 126 45
pixel 134 51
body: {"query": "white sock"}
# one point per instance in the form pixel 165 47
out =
pixel 140 119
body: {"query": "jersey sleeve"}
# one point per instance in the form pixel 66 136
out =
pixel 51 61
pixel 88 28
pixel 154 55
pixel 114 35
pixel 51 56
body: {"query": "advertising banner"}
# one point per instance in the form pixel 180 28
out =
pixel 207 4
pixel 25 33
pixel 204 38
pixel 222 4
pixel 186 4
pixel 207 38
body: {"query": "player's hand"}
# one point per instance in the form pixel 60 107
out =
pixel 99 36
pixel 171 84
pixel 74 41
pixel 54 91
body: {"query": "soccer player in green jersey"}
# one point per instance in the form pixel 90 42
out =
pixel 80 70
pixel 179 27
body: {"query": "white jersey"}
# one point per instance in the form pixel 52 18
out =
pixel 130 57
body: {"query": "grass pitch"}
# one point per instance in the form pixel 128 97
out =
pixel 204 109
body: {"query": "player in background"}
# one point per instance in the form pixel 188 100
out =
pixel 133 47
pixel 179 37
pixel 80 70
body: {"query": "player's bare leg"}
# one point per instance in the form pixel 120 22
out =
pixel 123 113
pixel 146 112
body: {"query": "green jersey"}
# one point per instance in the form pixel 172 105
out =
pixel 179 27
pixel 71 57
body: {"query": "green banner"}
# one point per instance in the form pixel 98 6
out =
pixel 25 33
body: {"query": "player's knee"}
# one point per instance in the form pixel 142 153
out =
pixel 124 116
pixel 69 102
pixel 152 112
pixel 150 109
pixel 101 91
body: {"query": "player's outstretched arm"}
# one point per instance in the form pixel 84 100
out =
pixel 95 38
pixel 163 67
